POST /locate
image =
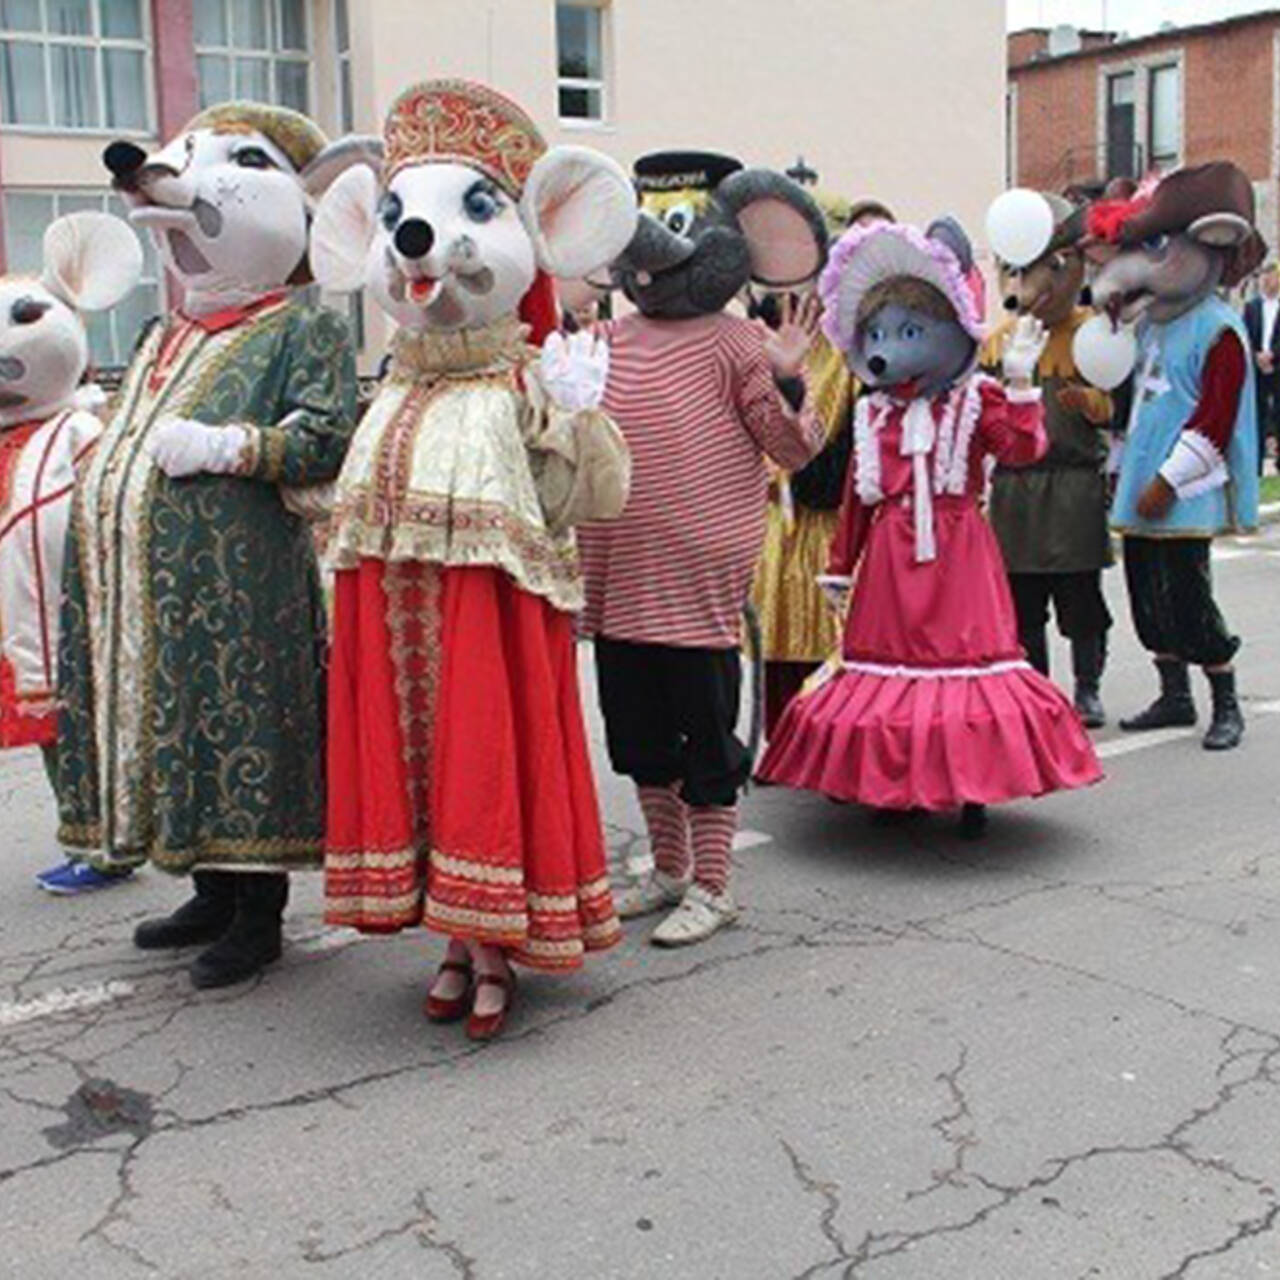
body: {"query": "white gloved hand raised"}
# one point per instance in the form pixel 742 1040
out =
pixel 1022 350
pixel 184 447
pixel 575 370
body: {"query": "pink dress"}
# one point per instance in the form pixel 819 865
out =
pixel 935 705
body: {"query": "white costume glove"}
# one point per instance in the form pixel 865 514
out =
pixel 183 447
pixel 1022 350
pixel 575 370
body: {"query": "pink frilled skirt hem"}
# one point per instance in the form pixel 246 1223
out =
pixel 884 737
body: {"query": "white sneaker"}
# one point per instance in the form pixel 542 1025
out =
pixel 655 892
pixel 699 915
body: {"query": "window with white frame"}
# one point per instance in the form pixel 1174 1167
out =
pixel 113 333
pixel 254 49
pixel 74 64
pixel 580 60
pixel 342 52
pixel 1164 116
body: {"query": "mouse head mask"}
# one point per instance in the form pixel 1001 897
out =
pixel 467 207
pixel 899 303
pixel 1172 243
pixel 91 261
pixel 227 199
pixel 708 228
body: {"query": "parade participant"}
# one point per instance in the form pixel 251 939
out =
pixel 1050 518
pixel 702 398
pixel 192 655
pixel 467 800
pixel 935 706
pixel 798 629
pixel 47 427
pixel 1190 464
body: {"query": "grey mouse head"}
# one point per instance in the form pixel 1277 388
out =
pixel 1169 246
pixel 898 303
pixel 708 227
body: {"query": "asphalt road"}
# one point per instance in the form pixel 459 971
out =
pixel 1051 1055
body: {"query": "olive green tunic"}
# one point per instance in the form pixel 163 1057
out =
pixel 1052 517
pixel 192 654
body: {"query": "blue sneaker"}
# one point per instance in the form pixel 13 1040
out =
pixel 79 877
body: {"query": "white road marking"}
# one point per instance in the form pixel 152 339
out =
pixel 745 840
pixel 63 1000
pixel 1140 742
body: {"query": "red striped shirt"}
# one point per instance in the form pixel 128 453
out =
pixel 699 408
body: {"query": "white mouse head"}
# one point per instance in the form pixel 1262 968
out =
pixel 91 261
pixel 450 230
pixel 227 200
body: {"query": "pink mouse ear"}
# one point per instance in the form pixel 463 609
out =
pixel 782 224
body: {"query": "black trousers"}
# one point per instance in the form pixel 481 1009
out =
pixel 671 715
pixel 1078 603
pixel 1171 597
pixel 1268 409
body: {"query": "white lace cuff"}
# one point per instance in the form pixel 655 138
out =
pixel 1195 466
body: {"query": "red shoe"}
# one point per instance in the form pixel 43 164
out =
pixel 488 1026
pixel 439 1009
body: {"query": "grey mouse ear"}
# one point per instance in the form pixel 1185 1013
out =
pixel 946 230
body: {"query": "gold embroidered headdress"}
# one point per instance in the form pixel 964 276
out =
pixel 466 123
pixel 299 138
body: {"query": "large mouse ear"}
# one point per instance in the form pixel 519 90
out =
pixel 580 209
pixel 334 160
pixel 342 230
pixel 91 260
pixel 946 230
pixel 784 227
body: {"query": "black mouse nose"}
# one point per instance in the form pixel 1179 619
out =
pixel 414 237
pixel 1011 302
pixel 123 159
pixel 877 365
pixel 1086 297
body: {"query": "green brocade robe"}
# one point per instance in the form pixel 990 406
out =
pixel 192 649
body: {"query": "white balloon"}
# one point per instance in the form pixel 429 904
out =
pixel 1104 355
pixel 1019 226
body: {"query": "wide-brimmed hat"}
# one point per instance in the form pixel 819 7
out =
pixel 461 122
pixel 865 256
pixel 1219 193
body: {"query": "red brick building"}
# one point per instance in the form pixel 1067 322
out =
pixel 1084 106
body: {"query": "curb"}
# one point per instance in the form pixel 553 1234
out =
pixel 1269 513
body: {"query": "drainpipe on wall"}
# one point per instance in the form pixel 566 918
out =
pixel 177 85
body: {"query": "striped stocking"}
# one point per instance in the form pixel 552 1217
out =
pixel 713 829
pixel 667 818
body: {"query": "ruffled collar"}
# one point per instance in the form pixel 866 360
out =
pixel 434 353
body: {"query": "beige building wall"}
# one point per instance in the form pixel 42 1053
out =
pixel 901 99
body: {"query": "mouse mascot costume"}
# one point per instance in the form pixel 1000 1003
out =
pixel 935 707
pixel 467 801
pixel 91 261
pixel 1190 465
pixel 797 628
pixel 703 399
pixel 192 657
pixel 1051 518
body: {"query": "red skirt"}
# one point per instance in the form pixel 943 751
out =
pixel 461 794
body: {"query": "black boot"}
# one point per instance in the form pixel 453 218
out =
pixel 253 940
pixel 1088 656
pixel 1174 705
pixel 973 821
pixel 203 918
pixel 1036 643
pixel 1227 727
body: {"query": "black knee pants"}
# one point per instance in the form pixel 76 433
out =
pixel 1171 596
pixel 671 715
pixel 1077 600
